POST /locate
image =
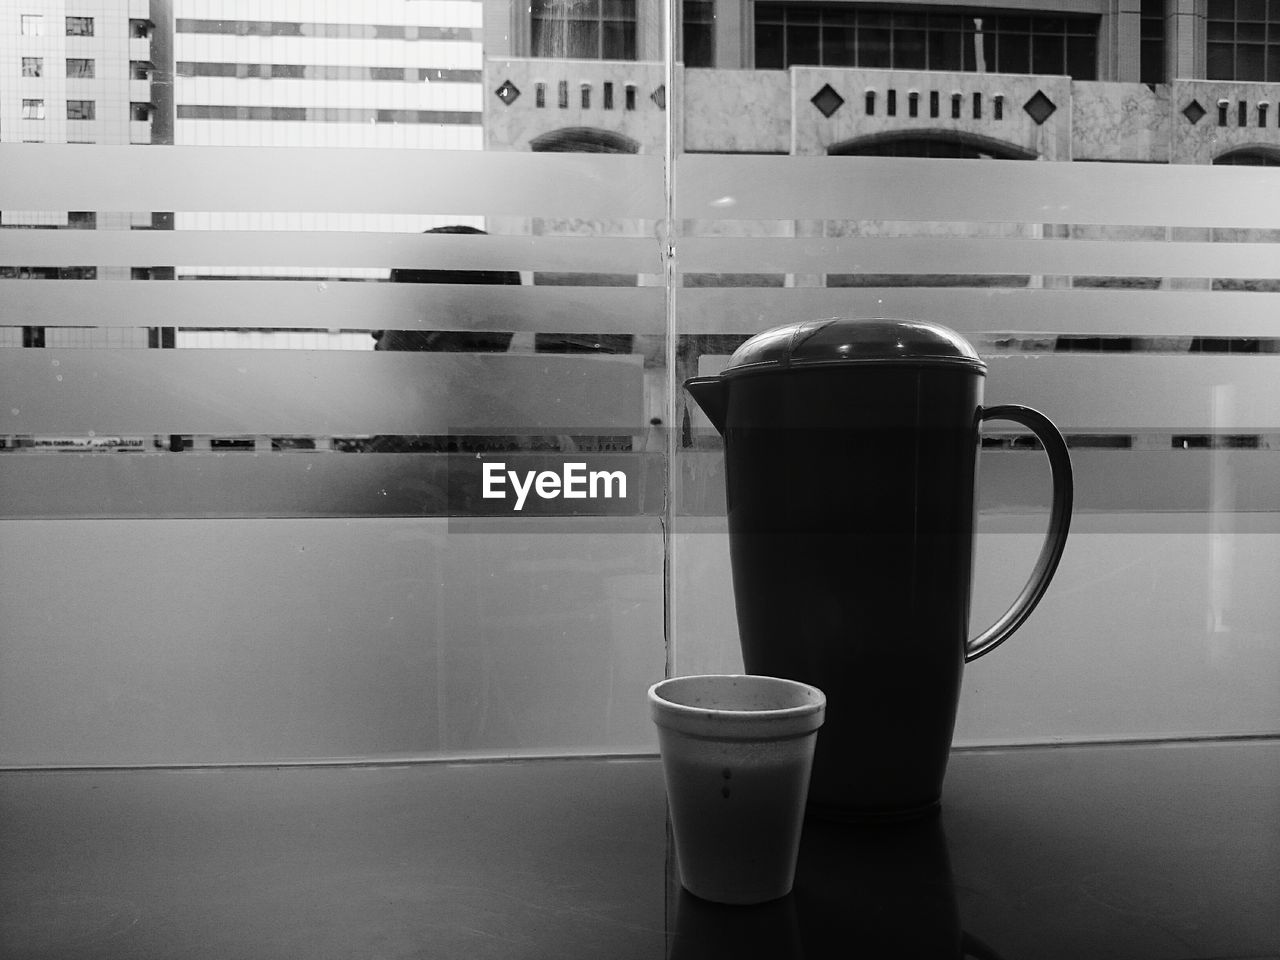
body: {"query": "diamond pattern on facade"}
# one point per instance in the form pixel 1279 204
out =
pixel 1040 107
pixel 827 100
pixel 1193 112
pixel 508 92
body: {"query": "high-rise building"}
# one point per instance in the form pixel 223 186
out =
pixel 347 73
pixel 339 73
pixel 77 71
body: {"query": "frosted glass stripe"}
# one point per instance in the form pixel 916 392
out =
pixel 1239 394
pixel 317 393
pixel 974 310
pixel 327 484
pixel 934 255
pixel 717 187
pixel 1106 482
pixel 291 484
pixel 331 306
pixel 328 249
pixel 323 639
pixel 42 176
pixel 1128 393
pixel 906 255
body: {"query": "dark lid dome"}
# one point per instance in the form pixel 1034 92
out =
pixel 838 340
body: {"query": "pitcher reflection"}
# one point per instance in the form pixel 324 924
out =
pixel 877 891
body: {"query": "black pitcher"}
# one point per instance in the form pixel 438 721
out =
pixel 850 466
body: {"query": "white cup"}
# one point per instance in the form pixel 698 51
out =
pixel 736 756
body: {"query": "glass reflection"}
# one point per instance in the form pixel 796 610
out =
pixel 876 891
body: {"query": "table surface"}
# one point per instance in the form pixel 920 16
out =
pixel 1134 851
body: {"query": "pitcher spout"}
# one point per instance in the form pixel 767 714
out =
pixel 712 396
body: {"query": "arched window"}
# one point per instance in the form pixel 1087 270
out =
pixel 583 140
pixel 1250 157
pixel 943 143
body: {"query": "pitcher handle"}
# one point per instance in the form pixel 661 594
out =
pixel 1056 538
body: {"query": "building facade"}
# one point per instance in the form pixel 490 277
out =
pixel 345 73
pixel 342 73
pixel 1157 81
pixel 78 71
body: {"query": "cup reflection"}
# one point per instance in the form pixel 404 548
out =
pixel 883 890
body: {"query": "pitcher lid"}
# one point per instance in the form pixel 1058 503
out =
pixel 841 340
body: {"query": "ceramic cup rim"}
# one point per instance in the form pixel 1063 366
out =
pixel 710 719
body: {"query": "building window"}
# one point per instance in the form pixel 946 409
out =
pixel 32 25
pixel 1244 40
pixel 82 220
pixel 32 109
pixel 795 34
pixel 140 111
pixel 33 66
pixel 1151 67
pixel 140 29
pixel 81 110
pixel 80 68
pixel 698 42
pixel 584 29
pixel 1249 157
pixel 140 70
pixel 79 26
pixel 952 146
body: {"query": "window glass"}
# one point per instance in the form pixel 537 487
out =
pixel 32 66
pixel 316 337
pixel 582 29
pixel 32 25
pixel 79 26
pixel 698 38
pixel 80 68
pixel 1244 38
pixel 881 39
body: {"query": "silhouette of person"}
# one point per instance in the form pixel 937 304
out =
pixel 448 341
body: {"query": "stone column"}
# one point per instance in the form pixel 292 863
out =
pixel 1185 38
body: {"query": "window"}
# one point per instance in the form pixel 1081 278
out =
pixel 953 146
pixel 140 29
pixel 1259 157
pixel 81 110
pixel 32 25
pixel 82 220
pixel 1151 68
pixel 33 66
pixel 584 29
pixel 793 34
pixel 32 109
pixel 80 68
pixel 698 46
pixel 140 111
pixel 140 70
pixel 79 26
pixel 1243 40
